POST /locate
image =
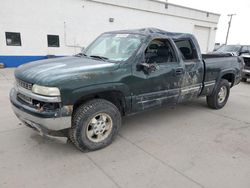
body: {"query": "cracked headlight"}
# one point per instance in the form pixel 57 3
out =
pixel 47 91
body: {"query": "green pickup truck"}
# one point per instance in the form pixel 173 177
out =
pixel 84 97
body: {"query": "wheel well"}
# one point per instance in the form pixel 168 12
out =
pixel 115 97
pixel 230 77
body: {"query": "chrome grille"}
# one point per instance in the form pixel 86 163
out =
pixel 23 84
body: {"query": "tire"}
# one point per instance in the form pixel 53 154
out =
pixel 215 101
pixel 244 79
pixel 87 132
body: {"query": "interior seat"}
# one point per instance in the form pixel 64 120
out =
pixel 163 55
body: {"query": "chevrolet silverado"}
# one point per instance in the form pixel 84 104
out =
pixel 84 97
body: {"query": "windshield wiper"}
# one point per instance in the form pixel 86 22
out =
pixel 99 57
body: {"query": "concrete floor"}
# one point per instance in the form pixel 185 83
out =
pixel 186 146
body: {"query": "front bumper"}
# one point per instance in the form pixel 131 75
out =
pixel 46 123
pixel 246 73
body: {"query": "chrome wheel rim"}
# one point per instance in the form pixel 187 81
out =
pixel 99 127
pixel 222 94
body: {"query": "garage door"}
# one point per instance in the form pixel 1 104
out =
pixel 202 35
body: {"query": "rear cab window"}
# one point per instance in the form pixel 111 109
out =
pixel 187 49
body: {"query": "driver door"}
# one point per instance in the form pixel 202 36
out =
pixel 161 86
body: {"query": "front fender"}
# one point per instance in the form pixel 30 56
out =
pixel 76 94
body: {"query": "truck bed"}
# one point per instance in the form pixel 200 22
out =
pixel 216 64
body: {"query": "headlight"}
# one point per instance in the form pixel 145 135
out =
pixel 47 91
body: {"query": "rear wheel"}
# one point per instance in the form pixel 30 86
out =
pixel 95 125
pixel 220 96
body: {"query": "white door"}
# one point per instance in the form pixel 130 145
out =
pixel 202 34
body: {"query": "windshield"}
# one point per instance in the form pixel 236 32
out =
pixel 229 48
pixel 115 47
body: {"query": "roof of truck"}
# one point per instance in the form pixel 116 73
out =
pixel 158 33
pixel 155 32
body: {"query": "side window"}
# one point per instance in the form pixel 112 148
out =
pixel 159 51
pixel 13 39
pixel 53 41
pixel 187 49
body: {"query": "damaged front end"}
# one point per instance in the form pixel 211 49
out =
pixel 45 114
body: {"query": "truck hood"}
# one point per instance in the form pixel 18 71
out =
pixel 51 72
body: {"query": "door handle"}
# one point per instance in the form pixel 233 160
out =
pixel 179 71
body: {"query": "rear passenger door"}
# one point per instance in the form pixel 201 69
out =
pixel 192 79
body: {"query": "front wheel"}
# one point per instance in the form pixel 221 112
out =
pixel 95 125
pixel 220 96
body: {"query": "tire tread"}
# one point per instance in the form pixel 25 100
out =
pixel 212 100
pixel 83 111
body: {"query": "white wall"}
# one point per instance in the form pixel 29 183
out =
pixel 86 19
